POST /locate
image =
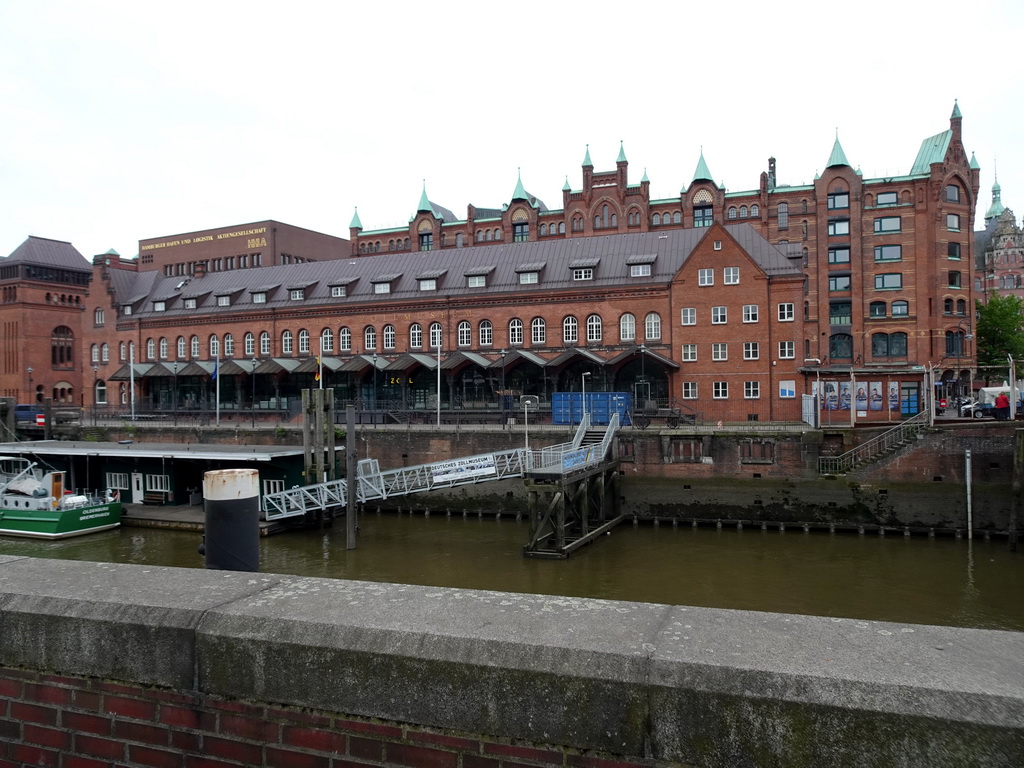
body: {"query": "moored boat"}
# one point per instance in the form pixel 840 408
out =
pixel 35 503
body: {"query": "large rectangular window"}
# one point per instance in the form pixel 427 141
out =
pixel 887 224
pixel 689 390
pixel 839 283
pixel 888 281
pixel 751 350
pixel 787 350
pixel 702 216
pixel 839 255
pixel 886 198
pixel 520 233
pixel 750 313
pixel 719 315
pixel 953 222
pixel 719 351
pixel 787 312
pixel 751 390
pixel 706 277
pixel 840 313
pixel 689 353
pixel 838 200
pixel 720 390
pixel 689 316
pixel 838 227
pixel 888 252
pixel 731 275
pixel 426 241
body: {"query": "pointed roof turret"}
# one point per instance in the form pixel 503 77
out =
pixel 566 187
pixel 996 209
pixel 520 191
pixel 702 173
pixel 622 154
pixel 424 204
pixel 356 223
pixel 974 163
pixel 838 157
pixel 644 178
pixel 586 158
pixel 956 111
pixel 111 252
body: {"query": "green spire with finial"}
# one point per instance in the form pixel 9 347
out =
pixel 838 157
pixel 424 204
pixel 622 154
pixel 996 209
pixel 356 223
pixel 702 173
pixel 956 110
pixel 566 187
pixel 645 179
pixel 974 163
pixel 586 158
pixel 520 193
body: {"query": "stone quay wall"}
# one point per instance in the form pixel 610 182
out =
pixel 112 664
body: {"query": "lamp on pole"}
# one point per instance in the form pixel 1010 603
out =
pixel 963 333
pixel 583 382
pixel 95 384
pixel 31 397
pixel 174 392
pixel 253 374
pixel 502 395
pixel 373 400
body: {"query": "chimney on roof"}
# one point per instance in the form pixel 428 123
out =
pixel 771 173
pixel 199 270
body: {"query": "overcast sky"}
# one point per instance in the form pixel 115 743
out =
pixel 130 120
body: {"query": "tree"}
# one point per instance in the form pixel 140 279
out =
pixel 999 330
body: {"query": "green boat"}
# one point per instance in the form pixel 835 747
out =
pixel 34 503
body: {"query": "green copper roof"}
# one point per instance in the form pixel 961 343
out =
pixel 996 209
pixel 642 180
pixel 702 173
pixel 520 192
pixel 622 154
pixel 111 252
pixel 356 223
pixel 974 163
pixel 566 187
pixel 586 159
pixel 838 157
pixel 956 111
pixel 424 204
pixel 933 150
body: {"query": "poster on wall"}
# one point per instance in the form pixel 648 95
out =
pixel 844 396
pixel 894 396
pixel 862 396
pixel 875 395
pixel 831 396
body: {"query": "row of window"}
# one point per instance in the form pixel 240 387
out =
pixel 730 275
pixel 786 313
pixel 751 351
pixel 720 390
pixel 840 345
pixel 593 327
pixel 220 264
pixel 742 212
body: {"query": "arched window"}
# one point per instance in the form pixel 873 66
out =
pixel 840 346
pixel 755 211
pixel 151 349
pixel 783 216
pixel 100 393
pixel 947 306
pixel 961 307
pixel 465 333
pixel 416 336
pixel 436 336
pixel 369 338
pixel 479 235
pixel 250 343
pixel 900 308
pixel 229 345
pixel 94 354
pixel 195 346
pixel 490 234
pixel 515 331
pixel 122 351
pixel 179 347
pixel 264 343
pixel 390 336
pixel 303 342
pixel 62 345
pixel 286 343
pixel 326 340
pixel 656 219
pixel 732 212
pixel 595 329
pixel 345 339
pixel 98 316
pixel 955 343
pixel 561 227
pixel 677 218
pixel 486 333
pixel 877 309
pixel 743 211
pixel 898 344
pixel 105 354
pixel 627 327
pixel 214 346
pixel 458 239
pixel 570 330
pixel 652 327
pixel 538 331
pixel 543 230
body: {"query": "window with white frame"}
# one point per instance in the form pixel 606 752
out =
pixel 338 291
pixel 250 344
pixel 750 313
pixel 286 343
pixel 390 336
pixel 117 481
pixel 191 303
pixel 787 350
pixel 382 288
pixel 476 281
pixel 272 486
pixel 95 354
pixel 465 333
pixel 689 390
pixel 689 353
pixel 223 301
pixel 303 342
pixel 180 347
pixel 428 284
pixel 720 390
pixel 161 483
pixel 751 390
pixel 731 275
pixel 486 333
pixel 369 338
pixel 719 351
pixel 98 317
pixel 751 350
pixel 719 315
pixel 583 273
pixel 538 331
pixel 689 315
pixel 214 346
pixel 595 328
pixel 640 270
pixel 260 297
pixel 264 343
pixel 528 278
pixel 415 335
pixel 436 335
pixel 627 327
pixel 194 344
pixel 705 277
pixel 515 331
pixel 159 306
pixel 570 330
pixel 163 348
pixel 652 327
pixel 345 339
pixel 787 312
pixel 105 353
pixel 326 340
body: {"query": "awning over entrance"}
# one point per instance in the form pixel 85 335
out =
pixel 570 354
pixel 124 372
pixel 197 368
pixel 456 359
pixel 522 354
pixel 310 365
pixel 622 357
pixel 360 363
pixel 277 365
pixel 411 360
pixel 233 367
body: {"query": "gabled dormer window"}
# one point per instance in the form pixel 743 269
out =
pixel 126 309
pixel 159 306
pixel 224 301
pixel 260 297
pixel 297 294
pixel 190 303
pixel 338 291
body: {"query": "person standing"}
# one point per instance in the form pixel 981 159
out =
pixel 1003 407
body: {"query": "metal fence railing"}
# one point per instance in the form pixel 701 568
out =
pixel 888 440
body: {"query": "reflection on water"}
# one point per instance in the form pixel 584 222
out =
pixel 923 581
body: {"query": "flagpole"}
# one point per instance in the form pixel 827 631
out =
pixel 216 372
pixel 320 363
pixel 131 370
pixel 439 382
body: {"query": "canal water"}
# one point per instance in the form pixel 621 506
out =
pixel 911 580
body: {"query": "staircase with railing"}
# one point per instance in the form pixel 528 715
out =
pixel 886 443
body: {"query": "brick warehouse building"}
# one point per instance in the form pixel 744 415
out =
pixel 853 282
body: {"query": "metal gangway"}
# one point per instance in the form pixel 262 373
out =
pixel 373 483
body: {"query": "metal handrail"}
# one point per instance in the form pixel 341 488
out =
pixel 837 465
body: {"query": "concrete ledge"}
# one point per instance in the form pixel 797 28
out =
pixel 701 686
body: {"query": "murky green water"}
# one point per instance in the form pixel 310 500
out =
pixel 917 580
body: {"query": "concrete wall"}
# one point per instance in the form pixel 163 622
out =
pixel 139 665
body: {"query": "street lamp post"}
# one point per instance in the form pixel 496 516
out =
pixel 95 385
pixel 174 392
pixel 504 418
pixel 374 393
pixel 253 374
pixel 583 381
pixel 30 398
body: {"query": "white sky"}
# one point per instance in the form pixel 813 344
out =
pixel 129 120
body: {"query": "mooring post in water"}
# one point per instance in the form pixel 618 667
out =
pixel 232 507
pixel 1018 467
pixel 351 482
pixel 967 480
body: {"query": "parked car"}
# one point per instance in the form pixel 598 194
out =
pixel 974 409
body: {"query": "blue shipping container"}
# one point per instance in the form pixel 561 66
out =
pixel 567 407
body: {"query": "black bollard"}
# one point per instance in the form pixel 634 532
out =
pixel 232 507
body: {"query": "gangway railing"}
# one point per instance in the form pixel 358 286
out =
pixel 372 483
pixel 888 440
